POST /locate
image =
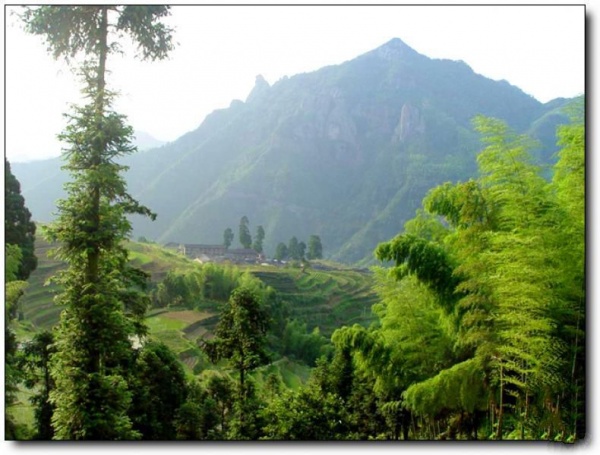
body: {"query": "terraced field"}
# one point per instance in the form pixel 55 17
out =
pixel 170 327
pixel 157 260
pixel 327 299
pixel 324 296
pixel 37 304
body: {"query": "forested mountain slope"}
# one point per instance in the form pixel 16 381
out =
pixel 346 152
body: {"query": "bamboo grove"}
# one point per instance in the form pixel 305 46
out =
pixel 484 308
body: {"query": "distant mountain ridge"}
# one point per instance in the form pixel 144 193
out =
pixel 346 152
pixel 145 141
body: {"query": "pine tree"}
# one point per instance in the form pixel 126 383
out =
pixel 34 362
pixel 227 237
pixel 240 337
pixel 18 228
pixel 103 307
pixel 244 232
pixel 315 248
pixel 160 389
pixel 281 252
pixel 293 249
pixel 258 240
pixel 13 374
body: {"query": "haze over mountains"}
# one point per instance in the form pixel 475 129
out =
pixel 346 152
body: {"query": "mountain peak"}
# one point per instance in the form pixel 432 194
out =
pixel 261 86
pixel 395 49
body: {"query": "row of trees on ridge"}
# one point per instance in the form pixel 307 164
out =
pixel 293 250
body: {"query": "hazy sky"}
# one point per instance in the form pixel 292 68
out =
pixel 222 48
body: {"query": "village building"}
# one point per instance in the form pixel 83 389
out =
pixel 242 255
pixel 217 253
pixel 194 251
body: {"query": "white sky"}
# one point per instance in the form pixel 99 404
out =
pixel 540 49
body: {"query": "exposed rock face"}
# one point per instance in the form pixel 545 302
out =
pixel 326 118
pixel 411 123
pixel 261 87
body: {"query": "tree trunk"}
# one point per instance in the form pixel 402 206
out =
pixel 501 407
pixel 406 420
pixel 574 379
pixel 93 253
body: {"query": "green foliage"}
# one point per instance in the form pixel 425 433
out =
pixel 193 289
pixel 227 237
pixel 510 264
pixel 188 421
pixel 240 333
pixel 281 252
pixel 220 389
pixel 34 362
pixel 19 230
pixel 247 422
pixel 569 186
pixel 258 240
pixel 459 388
pixel 300 345
pixel 69 31
pixel 309 414
pixel 426 226
pixel 301 251
pixel 13 372
pixel 12 259
pixel 294 249
pixel 427 260
pixel 315 248
pixel 244 233
pixel 13 288
pixel 159 390
pixel 415 339
pixel 240 338
pixel 12 377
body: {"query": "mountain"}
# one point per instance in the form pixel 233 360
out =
pixel 346 152
pixel 144 141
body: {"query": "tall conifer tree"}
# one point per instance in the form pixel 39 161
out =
pixel 102 309
pixel 244 233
